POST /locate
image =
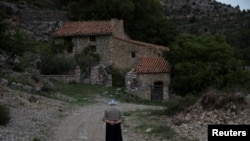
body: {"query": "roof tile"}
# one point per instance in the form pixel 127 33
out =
pixel 83 28
pixel 153 65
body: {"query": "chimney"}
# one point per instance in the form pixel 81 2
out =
pixel 118 28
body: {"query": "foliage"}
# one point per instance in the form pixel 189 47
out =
pixel 118 79
pixel 86 59
pixel 151 126
pixel 51 48
pixel 86 93
pixel 12 41
pixel 200 62
pixel 4 115
pixel 241 43
pixel 180 104
pixel 58 64
pixel 36 139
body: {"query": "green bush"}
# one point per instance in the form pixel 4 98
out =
pixel 118 77
pixel 180 104
pixel 58 64
pixel 4 115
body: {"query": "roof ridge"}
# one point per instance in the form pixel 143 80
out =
pixel 150 45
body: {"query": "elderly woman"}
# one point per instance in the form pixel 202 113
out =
pixel 113 117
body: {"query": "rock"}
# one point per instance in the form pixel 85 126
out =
pixel 9 7
pixel 3 82
pixel 28 89
pixel 33 99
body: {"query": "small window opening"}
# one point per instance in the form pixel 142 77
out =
pixel 93 48
pixel 133 55
pixel 69 45
pixel 92 38
pixel 70 49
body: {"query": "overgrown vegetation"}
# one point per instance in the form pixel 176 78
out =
pixel 200 62
pixel 118 76
pixel 179 104
pixel 151 126
pixel 13 41
pixel 4 115
pixel 57 64
pixel 86 59
pixel 83 94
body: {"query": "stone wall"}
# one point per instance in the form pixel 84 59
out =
pixel 76 78
pixel 99 76
pixel 121 52
pixel 118 28
pixel 141 84
pixel 102 44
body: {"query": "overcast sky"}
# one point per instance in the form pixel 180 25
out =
pixel 244 4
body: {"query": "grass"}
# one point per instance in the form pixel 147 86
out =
pixel 84 93
pixel 152 126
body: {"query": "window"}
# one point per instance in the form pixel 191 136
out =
pixel 93 48
pixel 69 45
pixel 70 49
pixel 92 38
pixel 133 55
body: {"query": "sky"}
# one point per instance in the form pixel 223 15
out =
pixel 244 4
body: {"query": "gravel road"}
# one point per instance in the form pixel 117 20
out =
pixel 84 123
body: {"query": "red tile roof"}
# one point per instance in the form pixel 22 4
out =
pixel 83 28
pixel 143 44
pixel 153 65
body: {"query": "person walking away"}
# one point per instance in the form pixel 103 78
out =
pixel 113 117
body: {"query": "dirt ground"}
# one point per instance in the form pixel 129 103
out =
pixel 84 123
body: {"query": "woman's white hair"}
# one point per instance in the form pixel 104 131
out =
pixel 112 102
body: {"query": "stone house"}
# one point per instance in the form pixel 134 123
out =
pixel 150 79
pixel 108 39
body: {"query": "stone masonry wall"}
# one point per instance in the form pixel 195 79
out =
pixel 101 43
pixel 118 28
pixel 144 82
pixel 121 53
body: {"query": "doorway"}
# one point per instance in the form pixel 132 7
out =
pixel 157 91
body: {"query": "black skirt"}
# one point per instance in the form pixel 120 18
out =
pixel 113 132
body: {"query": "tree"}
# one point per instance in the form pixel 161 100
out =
pixel 200 62
pixel 86 59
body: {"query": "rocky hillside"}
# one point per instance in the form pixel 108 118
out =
pixel 211 17
pixel 179 8
pixel 205 16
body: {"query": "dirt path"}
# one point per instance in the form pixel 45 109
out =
pixel 84 124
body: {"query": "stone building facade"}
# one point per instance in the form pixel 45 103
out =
pixel 108 39
pixel 125 53
pixel 150 79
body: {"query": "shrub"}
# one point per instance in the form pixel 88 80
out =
pixel 180 104
pixel 57 64
pixel 118 77
pixel 4 115
pixel 217 100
